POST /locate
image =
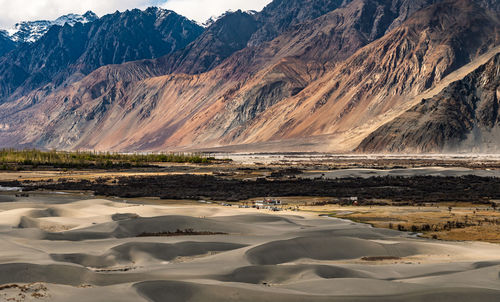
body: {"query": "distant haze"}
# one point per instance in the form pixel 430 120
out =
pixel 199 10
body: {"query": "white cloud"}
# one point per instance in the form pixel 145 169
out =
pixel 13 11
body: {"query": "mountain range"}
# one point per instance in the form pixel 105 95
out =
pixel 301 75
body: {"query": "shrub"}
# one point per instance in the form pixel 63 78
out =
pixel 88 159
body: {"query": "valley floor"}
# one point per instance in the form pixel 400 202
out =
pixel 62 241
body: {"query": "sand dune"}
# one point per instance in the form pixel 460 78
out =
pixel 275 274
pixel 325 248
pixel 92 250
pixel 60 274
pixel 183 291
pixel 132 252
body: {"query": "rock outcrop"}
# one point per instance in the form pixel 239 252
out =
pixel 464 117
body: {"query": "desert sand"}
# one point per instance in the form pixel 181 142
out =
pixel 63 247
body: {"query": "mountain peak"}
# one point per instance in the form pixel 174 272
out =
pixel 90 15
pixel 32 31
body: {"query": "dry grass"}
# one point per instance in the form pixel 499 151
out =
pixel 465 222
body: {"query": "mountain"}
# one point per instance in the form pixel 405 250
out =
pixel 492 5
pixel 464 117
pixel 32 31
pixel 227 35
pixel 280 15
pixel 68 53
pixel 322 77
pixel 295 61
pixel 6 44
pixel 380 77
pixel 234 31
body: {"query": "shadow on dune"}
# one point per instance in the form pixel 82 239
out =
pixel 61 274
pixel 128 253
pixel 176 291
pixel 276 274
pixel 325 248
pixel 134 227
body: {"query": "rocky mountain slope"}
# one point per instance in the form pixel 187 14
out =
pixel 235 31
pixel 464 117
pixel 280 15
pixel 6 44
pixel 310 78
pixel 253 79
pixel 227 35
pixel 67 53
pixel 379 77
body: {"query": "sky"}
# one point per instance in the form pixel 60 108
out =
pixel 14 11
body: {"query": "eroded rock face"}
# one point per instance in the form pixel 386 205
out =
pixel 235 31
pixel 230 100
pixel 463 117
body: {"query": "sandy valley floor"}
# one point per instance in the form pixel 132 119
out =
pixel 71 248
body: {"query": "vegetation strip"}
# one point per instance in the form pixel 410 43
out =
pixel 187 232
pixel 11 159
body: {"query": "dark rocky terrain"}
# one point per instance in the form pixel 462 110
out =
pixel 404 190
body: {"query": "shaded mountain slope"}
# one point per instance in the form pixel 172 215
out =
pixel 493 5
pixel 6 44
pixel 223 38
pixel 129 36
pixel 65 54
pixel 235 30
pixel 464 117
pixel 280 15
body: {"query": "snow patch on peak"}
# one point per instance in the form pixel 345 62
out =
pixel 32 31
pixel 162 14
pixel 214 19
